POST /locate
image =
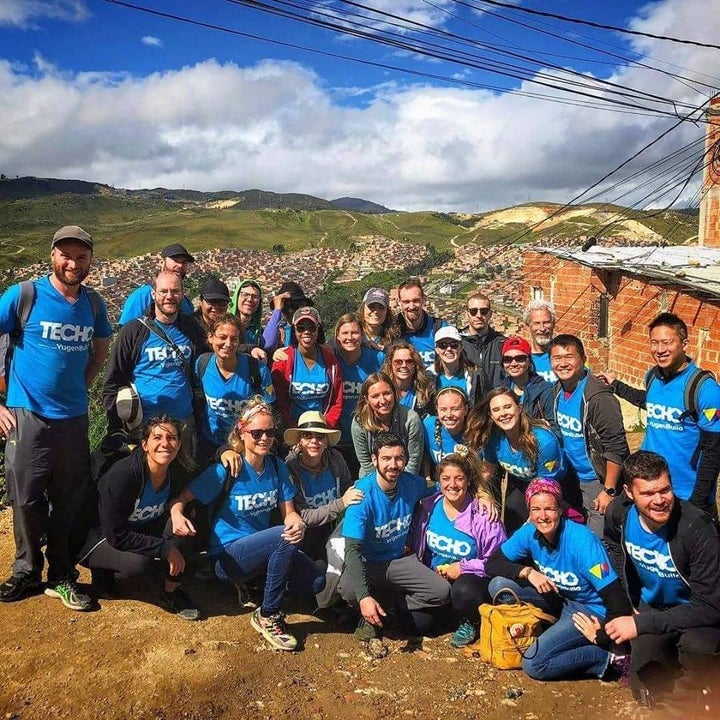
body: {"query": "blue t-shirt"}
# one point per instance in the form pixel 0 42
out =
pixel 224 399
pixel 47 373
pixel 380 523
pixel 550 462
pixel 159 376
pixel 319 489
pixel 250 502
pixel 456 381
pixel 674 439
pixel 569 418
pixel 140 299
pixel 353 377
pixel 424 340
pixel 308 388
pixel 445 542
pixel 579 565
pixel 447 444
pixel 662 584
pixel 151 505
pixel 541 361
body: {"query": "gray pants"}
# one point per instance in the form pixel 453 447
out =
pixel 420 586
pixel 47 467
pixel 595 521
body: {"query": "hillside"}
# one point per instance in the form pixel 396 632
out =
pixel 131 222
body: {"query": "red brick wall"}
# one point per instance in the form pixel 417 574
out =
pixel 709 225
pixel 575 291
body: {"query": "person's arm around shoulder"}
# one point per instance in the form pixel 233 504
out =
pixel 415 441
pixel 361 443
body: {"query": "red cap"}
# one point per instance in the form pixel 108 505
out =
pixel 516 343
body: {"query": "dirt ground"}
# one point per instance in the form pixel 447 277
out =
pixel 131 659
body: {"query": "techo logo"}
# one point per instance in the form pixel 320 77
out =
pixel 394 527
pixel 323 498
pixel 351 389
pixel 567 422
pixel 518 470
pixel 565 578
pixel 655 411
pixel 447 546
pixel 651 558
pixel 256 501
pixel 66 333
pixel 149 512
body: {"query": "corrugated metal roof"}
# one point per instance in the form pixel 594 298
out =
pixel 697 268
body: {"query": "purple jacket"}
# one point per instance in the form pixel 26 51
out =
pixel 472 520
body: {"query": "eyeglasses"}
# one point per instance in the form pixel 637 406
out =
pixel 398 362
pixel 509 359
pixel 305 327
pixel 450 344
pixel 258 434
pixel 249 296
pixel 313 436
pixel 483 311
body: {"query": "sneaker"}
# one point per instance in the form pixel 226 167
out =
pixel 17 587
pixel 505 597
pixel 618 669
pixel 180 604
pixel 273 629
pixel 68 593
pixel 245 596
pixel 464 635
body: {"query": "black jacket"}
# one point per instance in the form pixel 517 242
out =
pixel 485 351
pixel 118 490
pixel 695 551
pixel 602 425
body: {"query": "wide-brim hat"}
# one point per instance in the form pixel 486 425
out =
pixel 312 421
pixel 129 407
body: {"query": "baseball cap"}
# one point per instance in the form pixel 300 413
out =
pixel 377 295
pixel 72 232
pixel 515 342
pixel 177 250
pixel 214 289
pixel 449 332
pixel 306 313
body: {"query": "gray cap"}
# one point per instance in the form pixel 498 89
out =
pixel 72 232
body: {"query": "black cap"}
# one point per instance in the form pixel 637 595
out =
pixel 177 250
pixel 214 289
pixel 295 290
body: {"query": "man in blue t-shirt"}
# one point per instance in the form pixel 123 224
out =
pixel 416 326
pixel 57 353
pixel 592 427
pixel 667 552
pixel 375 532
pixel 175 259
pixel 539 319
pixel 156 356
pixel 683 412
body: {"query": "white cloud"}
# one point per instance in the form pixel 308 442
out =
pixel 26 13
pixel 151 41
pixel 277 125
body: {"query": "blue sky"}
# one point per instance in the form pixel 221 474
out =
pixel 102 92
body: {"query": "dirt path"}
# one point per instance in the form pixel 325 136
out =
pixel 130 659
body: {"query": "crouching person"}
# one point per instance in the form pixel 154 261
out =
pixel 561 567
pixel 133 535
pixel 375 532
pixel 243 544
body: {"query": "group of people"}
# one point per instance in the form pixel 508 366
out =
pixel 457 465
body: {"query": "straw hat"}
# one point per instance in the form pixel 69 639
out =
pixel 312 421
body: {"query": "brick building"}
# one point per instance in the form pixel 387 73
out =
pixel 607 297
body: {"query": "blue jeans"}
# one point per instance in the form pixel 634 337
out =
pixel 284 566
pixel 561 650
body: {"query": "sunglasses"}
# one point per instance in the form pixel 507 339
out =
pixel 258 434
pixel 312 436
pixel 305 327
pixel 442 345
pixel 508 359
pixel 483 311
pixel 399 362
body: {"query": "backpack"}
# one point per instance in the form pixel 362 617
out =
pixel 690 400
pixel 8 341
pixel 255 381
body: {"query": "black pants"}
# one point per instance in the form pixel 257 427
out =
pixel 467 593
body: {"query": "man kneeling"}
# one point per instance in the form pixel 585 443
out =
pixel 376 531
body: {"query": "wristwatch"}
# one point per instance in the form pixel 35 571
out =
pixel 611 491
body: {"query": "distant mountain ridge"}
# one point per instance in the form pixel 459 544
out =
pixel 26 188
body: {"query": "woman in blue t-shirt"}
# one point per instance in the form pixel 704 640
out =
pixel 454 532
pixel 243 544
pixel 563 568
pixel 453 367
pixel 523 448
pixel 414 386
pixel 379 326
pixel 228 380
